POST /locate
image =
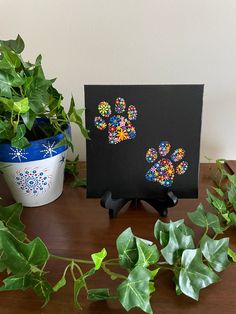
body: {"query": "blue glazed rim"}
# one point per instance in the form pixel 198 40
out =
pixel 39 149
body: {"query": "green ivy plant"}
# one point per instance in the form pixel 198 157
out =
pixel 25 95
pixel 195 265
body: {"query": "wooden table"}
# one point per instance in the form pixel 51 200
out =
pixel 74 226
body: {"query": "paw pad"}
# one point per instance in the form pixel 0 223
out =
pixel 120 128
pixel 163 171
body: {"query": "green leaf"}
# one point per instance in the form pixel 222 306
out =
pixel 42 288
pixel 16 45
pixel 79 182
pixel 8 80
pixel 10 215
pixel 21 106
pixel 219 191
pixel 20 141
pixel 98 258
pixel 72 166
pixel 28 119
pixel 135 291
pixel 194 275
pixel 17 283
pixel 6 131
pixel 79 284
pixel 5 84
pixel 19 257
pixel 178 242
pixel 217 203
pixel 161 230
pixel 202 218
pixel 232 195
pixel 75 116
pixel 148 254
pixel 127 249
pixel 232 179
pixel 215 251
pixel 232 217
pixel 99 294
pixel 232 254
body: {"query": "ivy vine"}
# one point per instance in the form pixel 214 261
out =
pixel 195 265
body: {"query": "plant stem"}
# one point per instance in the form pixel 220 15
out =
pixel 112 274
pixel 62 258
pixel 82 261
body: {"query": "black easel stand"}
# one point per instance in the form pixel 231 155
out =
pixel 161 205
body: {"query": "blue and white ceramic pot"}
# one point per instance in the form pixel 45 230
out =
pixel 35 175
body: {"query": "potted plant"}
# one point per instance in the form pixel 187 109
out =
pixel 34 128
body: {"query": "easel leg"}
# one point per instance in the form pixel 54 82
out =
pixel 113 205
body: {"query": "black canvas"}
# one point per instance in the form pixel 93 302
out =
pixel 167 114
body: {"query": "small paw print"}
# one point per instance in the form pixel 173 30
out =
pixel 120 128
pixel 163 170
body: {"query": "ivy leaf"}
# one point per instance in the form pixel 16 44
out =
pixel 60 284
pixel 232 179
pixel 148 254
pixel 219 191
pixel 6 131
pixel 79 284
pixel 17 283
pixel 20 141
pixel 127 249
pixel 135 291
pixel 98 258
pixel 79 182
pixel 202 218
pixel 28 118
pixel 75 116
pixel 194 275
pixel 5 85
pixel 42 288
pixel 178 242
pixel 99 294
pixel 161 230
pixel 16 45
pixel 21 106
pixel 232 254
pixel 217 203
pixel 216 252
pixel 10 215
pixel 232 195
pixel 20 257
pixel 232 217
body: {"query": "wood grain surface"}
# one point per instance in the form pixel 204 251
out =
pixel 74 226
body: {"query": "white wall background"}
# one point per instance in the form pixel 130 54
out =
pixel 135 42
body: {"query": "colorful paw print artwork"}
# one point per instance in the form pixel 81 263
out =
pixel 120 128
pixel 163 170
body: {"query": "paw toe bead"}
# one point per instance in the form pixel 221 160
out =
pixel 104 109
pixel 120 105
pixel 151 155
pixel 132 113
pixel 100 123
pixel 178 154
pixel 182 168
pixel 164 148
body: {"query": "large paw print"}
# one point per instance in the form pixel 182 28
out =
pixel 119 128
pixel 163 171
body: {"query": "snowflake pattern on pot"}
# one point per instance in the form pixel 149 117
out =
pixel 33 182
pixel 48 149
pixel 163 171
pixel 18 154
pixel 120 128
